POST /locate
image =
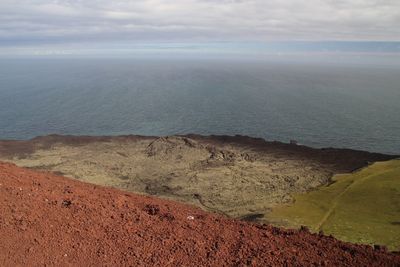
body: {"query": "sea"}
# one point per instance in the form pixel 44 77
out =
pixel 318 103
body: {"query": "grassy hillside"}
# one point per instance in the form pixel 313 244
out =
pixel 362 207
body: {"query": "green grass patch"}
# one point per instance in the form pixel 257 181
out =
pixel 362 207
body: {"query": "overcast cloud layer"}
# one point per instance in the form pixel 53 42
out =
pixel 63 21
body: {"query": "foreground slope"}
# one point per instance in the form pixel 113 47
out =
pixel 361 207
pixel 52 220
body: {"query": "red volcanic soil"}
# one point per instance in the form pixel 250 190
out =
pixel 54 221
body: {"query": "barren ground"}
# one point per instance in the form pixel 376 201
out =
pixel 239 176
pixel 48 220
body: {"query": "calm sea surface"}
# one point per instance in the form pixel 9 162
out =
pixel 321 105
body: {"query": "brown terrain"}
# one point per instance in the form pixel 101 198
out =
pixel 238 176
pixel 49 220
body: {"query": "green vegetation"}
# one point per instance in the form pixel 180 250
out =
pixel 362 207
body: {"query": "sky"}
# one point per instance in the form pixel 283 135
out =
pixel 65 26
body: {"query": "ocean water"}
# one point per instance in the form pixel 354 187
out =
pixel 318 104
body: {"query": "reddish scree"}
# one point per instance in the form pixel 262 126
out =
pixel 52 220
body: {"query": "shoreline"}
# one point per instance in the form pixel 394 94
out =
pixel 233 138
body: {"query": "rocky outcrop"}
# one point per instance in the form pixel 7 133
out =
pixel 234 175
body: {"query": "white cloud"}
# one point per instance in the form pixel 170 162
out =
pixel 193 20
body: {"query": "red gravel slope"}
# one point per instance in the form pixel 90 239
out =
pixel 54 221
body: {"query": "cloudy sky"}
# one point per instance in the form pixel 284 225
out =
pixel 26 23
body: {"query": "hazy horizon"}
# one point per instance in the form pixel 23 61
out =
pixel 52 28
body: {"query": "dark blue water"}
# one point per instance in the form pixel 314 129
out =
pixel 340 105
